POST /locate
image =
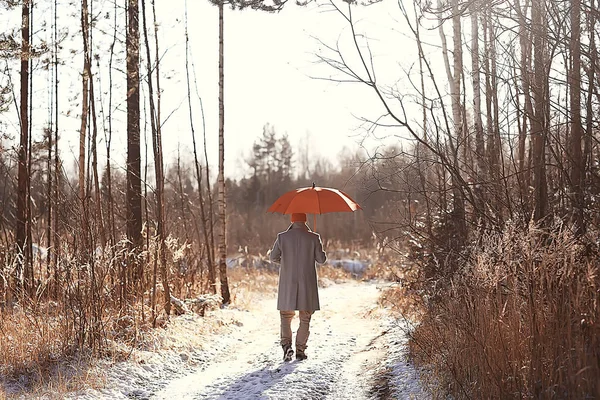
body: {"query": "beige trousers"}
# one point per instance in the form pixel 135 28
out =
pixel 303 329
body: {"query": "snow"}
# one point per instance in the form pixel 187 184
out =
pixel 355 351
pixel 356 267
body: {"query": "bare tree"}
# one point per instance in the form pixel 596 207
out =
pixel 454 78
pixel 23 263
pixel 591 76
pixel 85 78
pixel 155 124
pixel 134 185
pixel 577 163
pixel 206 222
pixel 87 33
pixel 477 120
pixel 56 249
pixel 255 4
pixel 108 134
pixel 222 212
pixel 524 175
pixel 538 124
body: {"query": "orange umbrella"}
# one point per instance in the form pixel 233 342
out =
pixel 314 200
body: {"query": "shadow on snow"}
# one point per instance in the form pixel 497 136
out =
pixel 254 384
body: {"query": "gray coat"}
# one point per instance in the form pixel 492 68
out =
pixel 297 249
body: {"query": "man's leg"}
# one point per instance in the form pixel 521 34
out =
pixel 286 334
pixel 303 332
pixel 286 326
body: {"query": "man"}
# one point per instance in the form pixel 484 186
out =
pixel 297 249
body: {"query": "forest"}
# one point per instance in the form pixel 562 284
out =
pixel 483 202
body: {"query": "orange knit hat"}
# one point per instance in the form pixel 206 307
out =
pixel 298 217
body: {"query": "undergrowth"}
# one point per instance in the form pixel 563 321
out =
pixel 48 343
pixel 518 318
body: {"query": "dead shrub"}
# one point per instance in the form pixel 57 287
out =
pixel 519 319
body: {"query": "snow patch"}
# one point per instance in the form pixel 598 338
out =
pixel 352 340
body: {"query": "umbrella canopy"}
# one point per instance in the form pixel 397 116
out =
pixel 314 200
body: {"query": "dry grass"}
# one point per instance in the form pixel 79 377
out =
pixel 47 348
pixel 520 320
pixel 38 353
pixel 402 297
pixel 48 340
pixel 248 285
pixel 333 274
pixel 40 357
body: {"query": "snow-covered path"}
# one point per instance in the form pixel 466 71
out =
pixel 348 346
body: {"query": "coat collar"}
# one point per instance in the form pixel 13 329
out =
pixel 299 225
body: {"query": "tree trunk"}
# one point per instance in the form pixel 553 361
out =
pixel 494 133
pixel 83 129
pixel 477 121
pixel 538 128
pixel 424 152
pixel 94 139
pixel 23 169
pixel 590 120
pixel 458 203
pixel 576 129
pixel 49 199
pixel 134 185
pixel 222 212
pixel 108 138
pixel 158 157
pixel 56 249
pixel 208 244
pixel 160 178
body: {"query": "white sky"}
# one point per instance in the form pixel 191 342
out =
pixel 269 61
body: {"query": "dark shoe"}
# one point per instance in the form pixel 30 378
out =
pixel 288 352
pixel 300 355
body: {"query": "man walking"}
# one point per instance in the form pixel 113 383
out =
pixel 297 249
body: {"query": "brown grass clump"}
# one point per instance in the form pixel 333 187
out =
pixel 248 285
pixel 402 296
pixel 48 339
pixel 403 301
pixel 334 274
pixel 521 319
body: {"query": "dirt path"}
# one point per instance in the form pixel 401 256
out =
pixel 347 347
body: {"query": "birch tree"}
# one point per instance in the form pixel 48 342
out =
pixel 206 220
pixel 221 180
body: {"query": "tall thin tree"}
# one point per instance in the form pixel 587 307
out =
pixel 108 134
pixel 85 77
pixel 23 169
pixel 56 249
pixel 158 157
pixel 222 205
pixel 206 222
pixel 455 138
pixel 134 185
pixel 538 124
pixel 577 162
pixel 477 121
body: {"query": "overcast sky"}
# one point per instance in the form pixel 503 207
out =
pixel 270 66
pixel 270 71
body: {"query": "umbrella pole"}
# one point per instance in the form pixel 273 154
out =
pixel 314 222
